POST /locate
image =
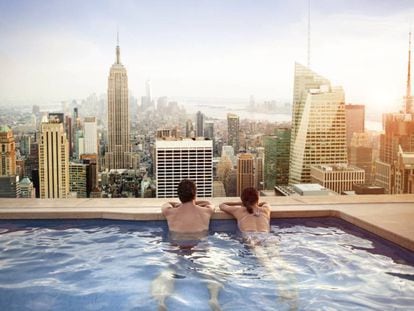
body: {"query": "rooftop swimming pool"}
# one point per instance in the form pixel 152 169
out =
pixel 303 264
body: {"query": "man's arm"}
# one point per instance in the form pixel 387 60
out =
pixel 206 204
pixel 166 207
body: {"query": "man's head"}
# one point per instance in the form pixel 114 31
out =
pixel 186 190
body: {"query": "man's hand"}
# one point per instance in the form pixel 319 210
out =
pixel 203 203
pixel 170 205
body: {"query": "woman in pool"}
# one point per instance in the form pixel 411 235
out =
pixel 251 215
pixel 253 219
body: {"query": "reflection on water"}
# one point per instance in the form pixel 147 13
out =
pixel 106 265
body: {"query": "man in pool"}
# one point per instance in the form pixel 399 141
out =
pixel 188 222
pixel 189 216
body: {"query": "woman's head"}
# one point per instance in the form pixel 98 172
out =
pixel 249 198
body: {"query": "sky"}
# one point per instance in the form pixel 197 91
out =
pixel 59 50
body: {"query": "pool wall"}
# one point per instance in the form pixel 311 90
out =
pixel 389 216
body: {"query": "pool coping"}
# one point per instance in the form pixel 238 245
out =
pixel 388 216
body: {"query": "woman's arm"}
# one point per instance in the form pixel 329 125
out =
pixel 265 207
pixel 230 207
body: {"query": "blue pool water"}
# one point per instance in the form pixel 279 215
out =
pixel 305 264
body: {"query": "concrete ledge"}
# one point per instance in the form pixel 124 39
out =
pixel 389 216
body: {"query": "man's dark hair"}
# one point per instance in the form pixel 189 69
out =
pixel 186 190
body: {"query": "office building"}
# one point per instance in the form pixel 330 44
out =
pixel 69 134
pixel 53 160
pixel 7 152
pixel 26 189
pixel 276 159
pixel 91 162
pixel 318 125
pixel 118 155
pixel 367 189
pixel 199 124
pixel 209 130
pixel 24 146
pixel 338 178
pixel 360 154
pixel 259 168
pixel 78 179
pixel 396 143
pixel 90 136
pixel 9 186
pixel 245 172
pixel 189 129
pixel 404 172
pixel 355 121
pixel 233 138
pixel 183 159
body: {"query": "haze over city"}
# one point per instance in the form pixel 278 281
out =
pixel 53 51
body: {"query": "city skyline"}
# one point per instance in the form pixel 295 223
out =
pixel 209 49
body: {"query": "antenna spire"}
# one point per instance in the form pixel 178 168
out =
pixel 309 31
pixel 408 98
pixel 118 52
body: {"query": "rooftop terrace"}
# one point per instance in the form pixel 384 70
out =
pixel 389 216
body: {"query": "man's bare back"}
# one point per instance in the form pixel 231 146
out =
pixel 188 217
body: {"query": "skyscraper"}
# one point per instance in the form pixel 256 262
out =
pixel 78 179
pixel 53 160
pixel 398 138
pixel 360 154
pixel 233 131
pixel 355 121
pixel 7 152
pixel 189 131
pixel 245 172
pixel 179 159
pixel 318 125
pixel 148 90
pixel 119 147
pixel 9 182
pixel 200 124
pixel 90 136
pixel 276 159
pixel 209 130
pixel 404 172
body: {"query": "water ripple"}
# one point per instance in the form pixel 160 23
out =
pixel 112 266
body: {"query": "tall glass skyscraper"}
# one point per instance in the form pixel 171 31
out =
pixel 318 124
pixel 276 163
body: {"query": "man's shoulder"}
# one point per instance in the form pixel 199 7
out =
pixel 205 209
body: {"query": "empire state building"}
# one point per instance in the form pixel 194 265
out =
pixel 118 155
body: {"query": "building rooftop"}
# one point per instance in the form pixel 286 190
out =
pixel 336 167
pixel 4 129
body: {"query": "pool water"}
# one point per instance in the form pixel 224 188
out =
pixel 305 264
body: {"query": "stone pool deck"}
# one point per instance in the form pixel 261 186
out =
pixel 389 216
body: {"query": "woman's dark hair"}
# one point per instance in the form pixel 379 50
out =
pixel 249 197
pixel 186 190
